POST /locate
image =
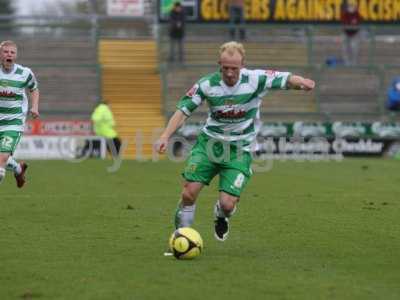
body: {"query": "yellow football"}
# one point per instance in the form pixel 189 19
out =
pixel 186 243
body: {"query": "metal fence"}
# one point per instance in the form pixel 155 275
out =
pixel 63 53
pixel 343 92
pixel 59 48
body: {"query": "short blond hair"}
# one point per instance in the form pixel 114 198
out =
pixel 231 48
pixel 8 43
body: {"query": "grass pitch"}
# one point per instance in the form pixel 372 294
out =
pixel 326 230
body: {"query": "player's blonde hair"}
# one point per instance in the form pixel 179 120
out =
pixel 231 48
pixel 8 43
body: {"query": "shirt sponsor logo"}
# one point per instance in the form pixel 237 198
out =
pixel 7 94
pixel 229 114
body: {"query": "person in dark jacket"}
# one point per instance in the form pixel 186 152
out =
pixel 176 32
pixel 236 19
pixel 351 19
pixel 393 95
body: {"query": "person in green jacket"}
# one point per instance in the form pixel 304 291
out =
pixel 103 125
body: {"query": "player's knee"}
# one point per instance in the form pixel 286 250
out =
pixel 228 205
pixel 4 159
pixel 188 197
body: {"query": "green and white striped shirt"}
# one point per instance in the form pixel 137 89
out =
pixel 234 112
pixel 13 98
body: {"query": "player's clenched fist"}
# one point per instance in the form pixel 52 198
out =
pixel 308 84
pixel 161 145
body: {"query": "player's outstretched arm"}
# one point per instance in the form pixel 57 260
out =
pixel 300 83
pixel 176 121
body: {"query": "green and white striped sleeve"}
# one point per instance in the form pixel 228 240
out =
pixel 31 82
pixel 272 80
pixel 193 99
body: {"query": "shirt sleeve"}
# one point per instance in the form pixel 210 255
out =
pixel 31 82
pixel 193 99
pixel 272 80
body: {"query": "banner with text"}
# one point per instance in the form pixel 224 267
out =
pixel 288 11
pixel 58 127
pixel 281 139
pixel 127 8
pixel 72 148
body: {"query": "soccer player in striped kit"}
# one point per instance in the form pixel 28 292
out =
pixel 224 146
pixel 15 81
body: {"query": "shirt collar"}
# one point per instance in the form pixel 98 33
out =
pixel 233 88
pixel 12 69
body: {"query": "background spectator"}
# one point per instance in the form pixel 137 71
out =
pixel 350 18
pixel 393 95
pixel 236 19
pixel 103 125
pixel 176 32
